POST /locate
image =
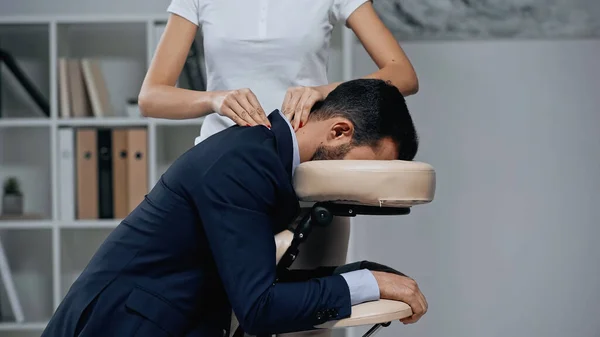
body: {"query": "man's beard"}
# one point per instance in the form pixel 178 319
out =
pixel 331 152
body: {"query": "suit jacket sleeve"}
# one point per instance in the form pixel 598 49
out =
pixel 235 201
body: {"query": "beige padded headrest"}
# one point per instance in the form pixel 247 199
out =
pixel 384 183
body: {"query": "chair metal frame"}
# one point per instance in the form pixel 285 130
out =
pixel 321 215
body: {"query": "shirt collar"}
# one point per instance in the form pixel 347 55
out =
pixel 296 155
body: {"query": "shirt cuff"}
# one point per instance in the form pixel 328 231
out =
pixel 363 286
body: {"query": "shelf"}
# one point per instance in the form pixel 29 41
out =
pixel 120 121
pixel 90 224
pixel 26 224
pixel 43 19
pixel 24 20
pixel 101 122
pixel 33 326
pixel 174 122
pixel 97 121
pixel 117 47
pixel 24 122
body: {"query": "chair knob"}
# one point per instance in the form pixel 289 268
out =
pixel 321 216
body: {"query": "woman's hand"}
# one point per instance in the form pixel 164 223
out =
pixel 297 104
pixel 241 106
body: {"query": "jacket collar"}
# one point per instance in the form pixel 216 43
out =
pixel 284 139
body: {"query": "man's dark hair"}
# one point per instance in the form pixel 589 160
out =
pixel 376 109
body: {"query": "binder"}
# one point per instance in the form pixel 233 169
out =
pixel 87 174
pixel 66 180
pixel 119 174
pixel 137 166
pixel 105 180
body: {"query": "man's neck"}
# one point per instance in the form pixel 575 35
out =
pixel 306 144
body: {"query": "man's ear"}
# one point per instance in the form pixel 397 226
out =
pixel 341 129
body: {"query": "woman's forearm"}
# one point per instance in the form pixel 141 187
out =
pixel 406 81
pixel 402 78
pixel 164 101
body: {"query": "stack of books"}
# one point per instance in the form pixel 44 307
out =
pixel 82 89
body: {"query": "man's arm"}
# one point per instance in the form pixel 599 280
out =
pixel 361 282
pixel 235 201
pixel 359 277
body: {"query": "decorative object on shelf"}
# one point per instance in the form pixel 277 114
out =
pixel 27 84
pixel 132 109
pixel 12 199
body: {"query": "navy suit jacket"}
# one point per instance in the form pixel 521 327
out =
pixel 200 245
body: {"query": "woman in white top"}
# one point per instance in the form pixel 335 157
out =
pixel 263 55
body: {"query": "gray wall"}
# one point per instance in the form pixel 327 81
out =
pixel 509 246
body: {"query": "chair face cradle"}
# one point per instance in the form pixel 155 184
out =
pixel 351 188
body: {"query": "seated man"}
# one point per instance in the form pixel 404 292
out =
pixel 201 243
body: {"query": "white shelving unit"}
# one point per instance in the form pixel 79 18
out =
pixel 46 253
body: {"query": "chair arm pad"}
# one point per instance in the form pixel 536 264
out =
pixel 374 312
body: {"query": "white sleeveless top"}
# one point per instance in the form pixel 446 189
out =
pixel 264 45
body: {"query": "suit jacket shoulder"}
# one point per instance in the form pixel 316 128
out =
pixel 236 153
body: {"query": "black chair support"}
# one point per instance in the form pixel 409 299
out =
pixel 321 214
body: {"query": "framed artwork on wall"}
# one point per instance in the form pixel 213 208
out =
pixel 490 19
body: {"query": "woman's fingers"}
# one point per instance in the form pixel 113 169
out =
pixel 284 107
pixel 309 98
pixel 260 111
pixel 298 109
pixel 234 104
pixel 297 104
pixel 292 102
pixel 243 108
pixel 254 111
pixel 226 111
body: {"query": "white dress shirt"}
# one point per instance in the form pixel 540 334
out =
pixel 267 46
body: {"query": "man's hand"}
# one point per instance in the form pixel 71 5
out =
pixel 404 289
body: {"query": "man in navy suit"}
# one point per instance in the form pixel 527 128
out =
pixel 200 245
